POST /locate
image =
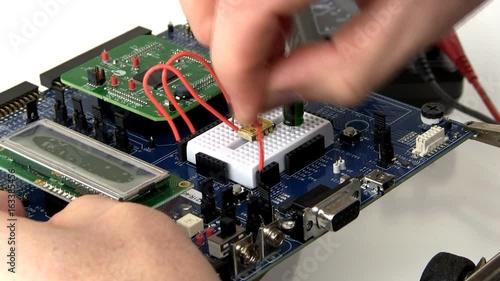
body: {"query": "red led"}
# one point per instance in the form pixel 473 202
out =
pixel 114 81
pixel 200 240
pixel 209 231
pixel 135 62
pixel 105 56
pixel 131 85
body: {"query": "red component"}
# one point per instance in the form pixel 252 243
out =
pixel 135 62
pixel 131 85
pixel 200 240
pixel 105 56
pixel 114 81
pixel 209 231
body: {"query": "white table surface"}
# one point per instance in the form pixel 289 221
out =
pixel 453 206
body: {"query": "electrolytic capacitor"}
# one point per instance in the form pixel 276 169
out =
pixel 293 115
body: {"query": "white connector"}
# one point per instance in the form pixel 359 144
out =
pixel 429 141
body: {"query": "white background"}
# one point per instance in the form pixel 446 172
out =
pixel 452 206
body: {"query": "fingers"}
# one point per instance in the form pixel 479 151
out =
pixel 248 34
pixel 366 51
pixel 84 210
pixel 10 203
pixel 200 15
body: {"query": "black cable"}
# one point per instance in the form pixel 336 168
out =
pixel 424 69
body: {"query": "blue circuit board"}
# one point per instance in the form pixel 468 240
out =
pixel 361 158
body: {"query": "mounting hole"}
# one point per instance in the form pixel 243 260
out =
pixel 184 184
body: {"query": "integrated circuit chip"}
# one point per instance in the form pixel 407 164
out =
pixel 155 78
pixel 86 165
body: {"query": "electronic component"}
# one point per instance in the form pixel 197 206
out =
pixel 254 219
pixel 182 144
pixel 265 203
pixel 182 93
pixel 432 113
pixel 100 129
pixel 105 56
pixel 228 208
pixel 121 135
pixel 199 240
pixel 270 238
pixel 97 77
pixel 270 175
pixel 79 120
pixel 50 77
pixel 219 243
pixel 113 81
pixel 342 164
pixel 249 132
pixel 378 181
pixel 136 62
pixel 60 109
pixel 350 136
pixel 191 225
pixel 16 98
pixel 383 141
pixel 336 167
pixel 151 51
pixel 80 162
pixel 208 203
pixel 429 141
pixel 244 254
pixel 211 167
pixel 132 85
pixel 304 155
pixel 324 209
pixel 32 111
pixel 242 157
pixel 339 166
pixel 155 79
pixel 293 115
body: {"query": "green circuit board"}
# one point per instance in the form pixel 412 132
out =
pixel 150 51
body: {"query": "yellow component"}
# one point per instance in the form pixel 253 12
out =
pixel 40 182
pixel 249 133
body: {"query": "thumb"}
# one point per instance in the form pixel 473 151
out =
pixel 10 203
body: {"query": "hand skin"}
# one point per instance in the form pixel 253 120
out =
pixel 98 239
pixel 246 38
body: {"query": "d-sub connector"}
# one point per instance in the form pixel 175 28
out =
pixel 324 209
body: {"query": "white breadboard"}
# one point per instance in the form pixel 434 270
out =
pixel 242 156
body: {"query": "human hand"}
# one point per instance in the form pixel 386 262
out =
pixel 247 43
pixel 96 239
